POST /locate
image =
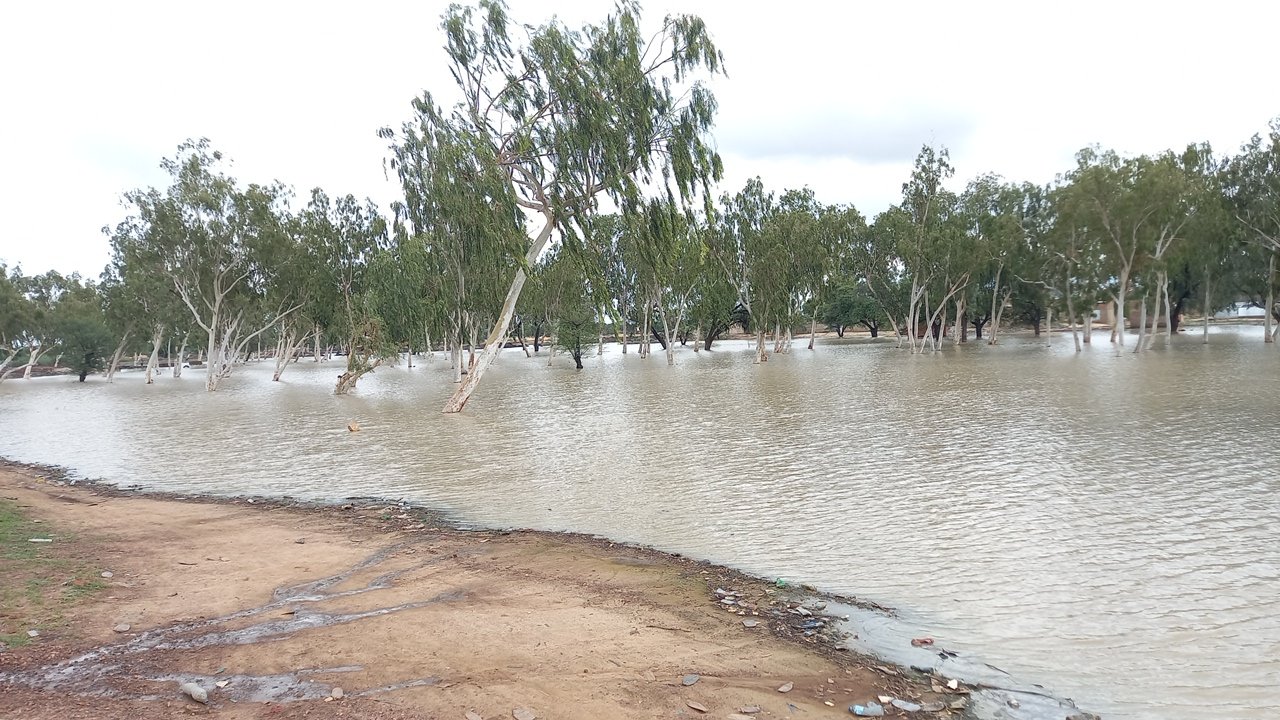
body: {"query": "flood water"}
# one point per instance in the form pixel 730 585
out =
pixel 1103 524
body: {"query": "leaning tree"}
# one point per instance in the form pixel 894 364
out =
pixel 570 116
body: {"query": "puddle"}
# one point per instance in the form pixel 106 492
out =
pixel 95 672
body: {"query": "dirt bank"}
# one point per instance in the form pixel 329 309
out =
pixel 270 607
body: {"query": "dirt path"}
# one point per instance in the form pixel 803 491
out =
pixel 284 604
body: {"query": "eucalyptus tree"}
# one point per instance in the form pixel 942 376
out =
pixel 745 243
pixel 873 258
pixel 219 246
pixel 567 116
pixel 803 234
pixel 667 245
pixel 1252 184
pixel 931 244
pixel 15 315
pixel 351 237
pixel 996 216
pixel 712 306
pixel 35 329
pixel 461 208
pixel 1138 207
pixel 78 321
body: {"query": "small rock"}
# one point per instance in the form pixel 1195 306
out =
pixel 933 706
pixel 749 709
pixel 354 426
pixel 905 705
pixel 1083 716
pixel 953 683
pixel 1013 703
pixel 869 710
pixel 33 633
pixel 521 713
pixel 958 703
pixel 786 687
pixel 922 642
pixel 194 691
pixel 40 540
pixel 738 716
pixel 690 679
pixel 750 623
pixel 108 574
pixel 301 541
pixel 221 684
pixel 121 628
pixel 885 699
pixel 696 705
pixel 473 716
pixel 336 693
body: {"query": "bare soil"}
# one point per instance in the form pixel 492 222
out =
pixel 281 604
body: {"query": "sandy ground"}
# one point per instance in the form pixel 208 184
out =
pixel 411 620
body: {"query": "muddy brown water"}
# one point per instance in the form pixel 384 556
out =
pixel 1101 524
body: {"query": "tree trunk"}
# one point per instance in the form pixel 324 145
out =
pixel 463 393
pixel 1142 327
pixel 347 380
pixel 997 316
pixel 182 354
pixel 697 337
pixel 317 345
pixel 114 365
pixel 996 308
pixel 33 356
pixel 977 328
pixel 1071 312
pixel 761 355
pixel 1118 330
pixel 455 356
pixel 958 332
pixel 813 325
pixel 1208 304
pixel 1267 335
pixel 157 336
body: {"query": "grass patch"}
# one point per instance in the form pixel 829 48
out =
pixel 38 581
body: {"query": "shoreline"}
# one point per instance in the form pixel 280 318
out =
pixel 86 669
pixel 794 616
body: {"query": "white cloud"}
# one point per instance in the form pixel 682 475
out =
pixel 837 96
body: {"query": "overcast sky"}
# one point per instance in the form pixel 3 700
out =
pixel 838 96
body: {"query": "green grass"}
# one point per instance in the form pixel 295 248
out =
pixel 38 583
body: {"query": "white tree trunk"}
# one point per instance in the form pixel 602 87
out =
pixel 813 327
pixel 114 365
pixel 1142 327
pixel 761 355
pixel 459 399
pixel 157 335
pixel 182 354
pixel 1118 330
pixel 35 352
pixel 1267 335
pixel 957 332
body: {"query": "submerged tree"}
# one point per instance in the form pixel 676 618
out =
pixel 219 246
pixel 569 115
